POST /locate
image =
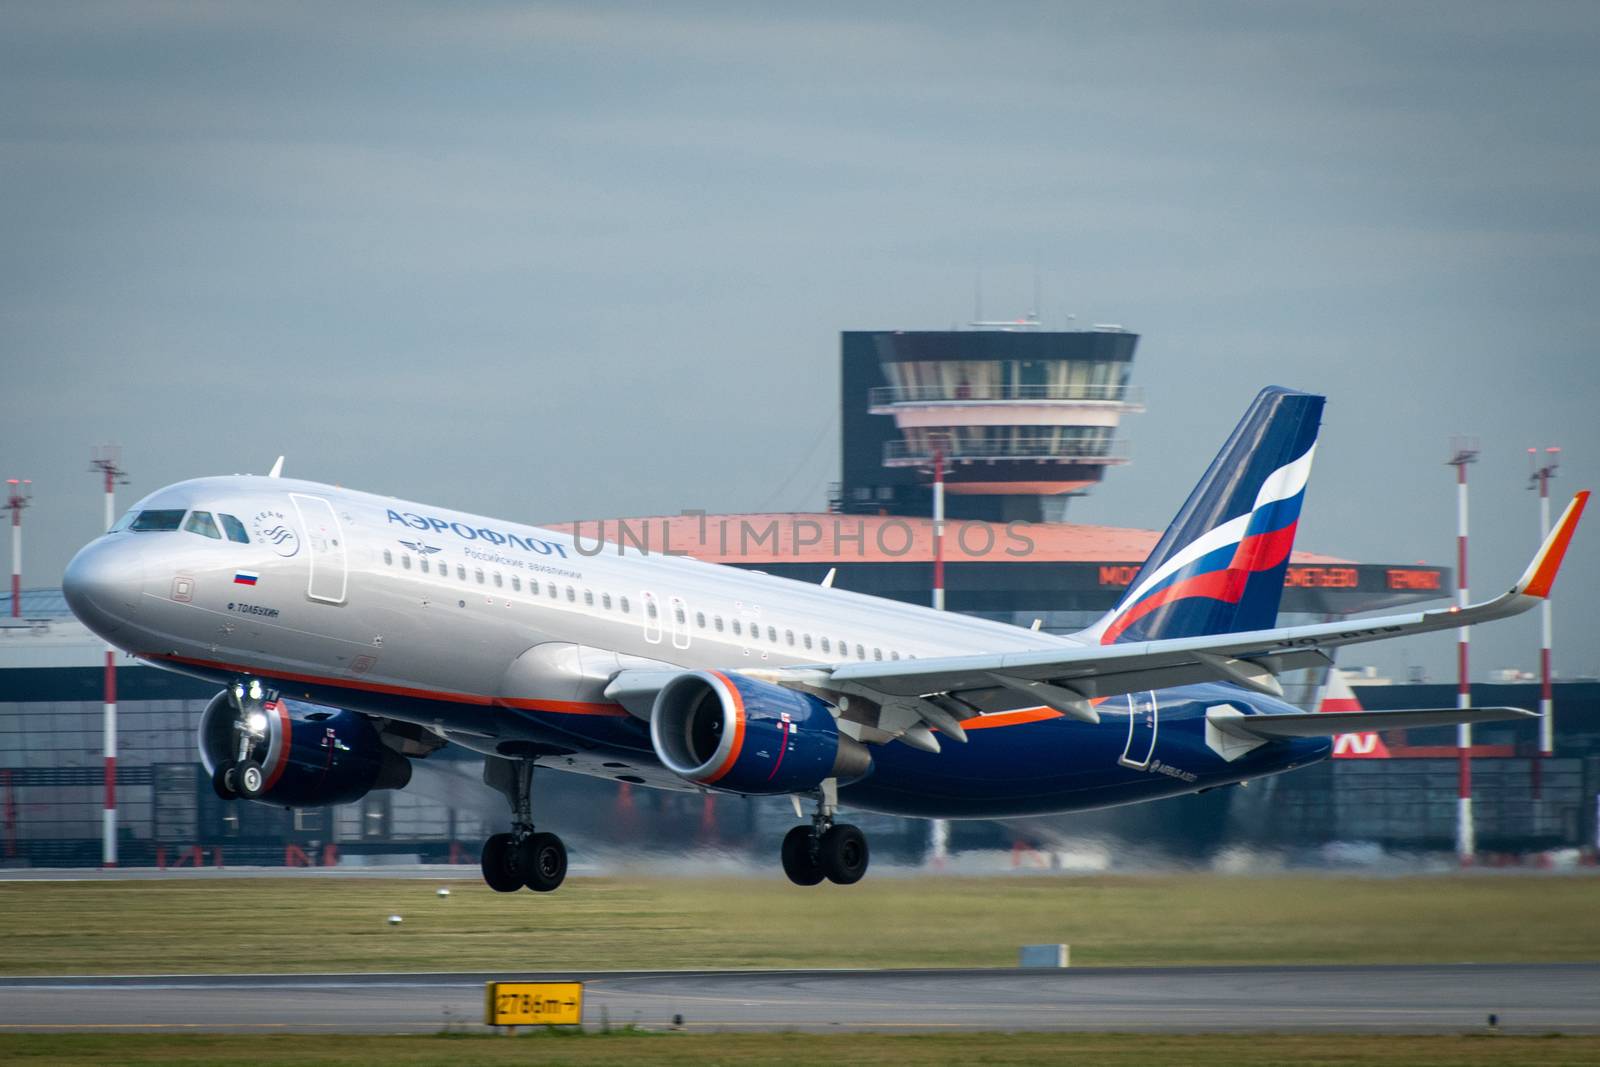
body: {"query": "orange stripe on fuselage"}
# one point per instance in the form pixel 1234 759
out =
pixel 565 707
pixel 738 730
pixel 562 707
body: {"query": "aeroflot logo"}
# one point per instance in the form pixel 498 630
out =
pixel 273 530
pixel 479 533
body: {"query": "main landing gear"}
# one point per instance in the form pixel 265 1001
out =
pixel 837 852
pixel 521 857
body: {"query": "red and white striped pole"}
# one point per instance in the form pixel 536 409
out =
pixel 938 528
pixel 1547 730
pixel 18 492
pixel 1464 451
pixel 939 830
pixel 107 460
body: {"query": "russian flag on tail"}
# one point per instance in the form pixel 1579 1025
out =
pixel 1219 567
pixel 245 577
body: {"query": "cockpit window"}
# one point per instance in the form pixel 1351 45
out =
pixel 201 522
pixel 160 520
pixel 234 528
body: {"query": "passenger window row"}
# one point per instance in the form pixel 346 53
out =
pixel 715 623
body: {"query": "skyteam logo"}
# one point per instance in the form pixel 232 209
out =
pixel 1218 565
pixel 272 529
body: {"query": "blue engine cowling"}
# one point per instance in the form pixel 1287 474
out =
pixel 311 756
pixel 735 733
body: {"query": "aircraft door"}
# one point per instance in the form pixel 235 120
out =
pixel 1143 715
pixel 329 570
pixel 679 622
pixel 652 616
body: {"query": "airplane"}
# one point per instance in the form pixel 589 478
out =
pixel 353 633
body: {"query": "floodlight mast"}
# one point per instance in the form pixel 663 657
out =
pixel 107 460
pixel 1540 479
pixel 1463 450
pixel 19 493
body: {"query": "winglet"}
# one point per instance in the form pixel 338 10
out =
pixel 277 469
pixel 1541 573
pixel 827 581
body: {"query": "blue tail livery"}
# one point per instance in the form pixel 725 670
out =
pixel 1219 567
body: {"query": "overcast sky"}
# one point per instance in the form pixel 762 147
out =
pixel 549 262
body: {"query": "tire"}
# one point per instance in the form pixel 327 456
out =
pixel 842 854
pixel 222 781
pixel 542 862
pixel 498 870
pixel 250 780
pixel 798 863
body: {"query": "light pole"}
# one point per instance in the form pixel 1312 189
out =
pixel 107 460
pixel 1540 479
pixel 939 829
pixel 19 492
pixel 1463 450
pixel 938 527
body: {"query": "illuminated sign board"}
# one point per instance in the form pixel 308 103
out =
pixel 1413 578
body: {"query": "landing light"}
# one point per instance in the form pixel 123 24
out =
pixel 257 722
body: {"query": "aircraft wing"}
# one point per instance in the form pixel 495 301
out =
pixel 945 691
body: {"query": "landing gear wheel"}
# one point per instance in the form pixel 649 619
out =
pixel 250 780
pixel 542 862
pixel 499 852
pixel 222 781
pixel 842 854
pixel 798 862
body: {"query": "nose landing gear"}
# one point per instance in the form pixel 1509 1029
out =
pixel 837 852
pixel 522 857
pixel 243 776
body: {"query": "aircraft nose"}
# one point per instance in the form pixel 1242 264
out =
pixel 102 584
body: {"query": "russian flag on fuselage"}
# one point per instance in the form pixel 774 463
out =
pixel 1219 567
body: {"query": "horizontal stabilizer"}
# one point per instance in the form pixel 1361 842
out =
pixel 1329 723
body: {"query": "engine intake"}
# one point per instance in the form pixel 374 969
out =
pixel 311 756
pixel 747 736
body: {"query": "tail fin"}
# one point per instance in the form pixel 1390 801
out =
pixel 1219 567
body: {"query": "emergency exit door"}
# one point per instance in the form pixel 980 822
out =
pixel 325 547
pixel 1143 716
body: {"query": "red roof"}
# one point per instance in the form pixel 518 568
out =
pixel 790 537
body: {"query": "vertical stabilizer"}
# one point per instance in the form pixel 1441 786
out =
pixel 1219 567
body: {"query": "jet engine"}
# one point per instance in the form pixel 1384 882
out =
pixel 295 755
pixel 747 736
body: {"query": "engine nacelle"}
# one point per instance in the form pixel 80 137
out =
pixel 736 733
pixel 311 756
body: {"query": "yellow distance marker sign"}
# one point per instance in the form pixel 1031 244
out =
pixel 533 1004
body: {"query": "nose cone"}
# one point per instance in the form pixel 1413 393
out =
pixel 103 584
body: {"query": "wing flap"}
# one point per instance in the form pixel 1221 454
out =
pixel 1329 723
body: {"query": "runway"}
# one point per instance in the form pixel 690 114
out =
pixel 1527 998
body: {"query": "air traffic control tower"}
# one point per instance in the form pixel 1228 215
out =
pixel 1023 418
